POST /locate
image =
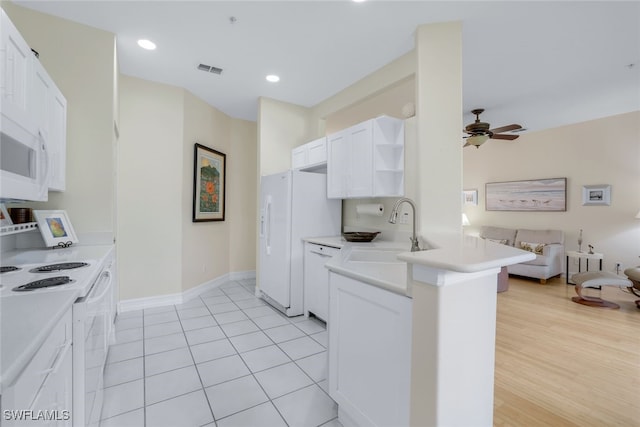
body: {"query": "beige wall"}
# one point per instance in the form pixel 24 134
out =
pixel 242 195
pixel 205 245
pixel 150 186
pixel 161 123
pixel 604 151
pixel 81 61
pixel 281 127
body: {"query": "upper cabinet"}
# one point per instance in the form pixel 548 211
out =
pixel 34 122
pixel 367 160
pixel 16 59
pixel 50 108
pixel 311 156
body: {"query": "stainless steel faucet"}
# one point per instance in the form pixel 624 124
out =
pixel 415 246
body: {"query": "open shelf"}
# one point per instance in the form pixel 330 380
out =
pixel 18 228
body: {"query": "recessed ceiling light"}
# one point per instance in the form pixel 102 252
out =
pixel 359 1
pixel 272 78
pixel 146 44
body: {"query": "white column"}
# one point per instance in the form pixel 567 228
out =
pixel 439 126
pixel 453 347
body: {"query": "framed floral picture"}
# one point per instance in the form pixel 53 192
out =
pixel 55 228
pixel 209 176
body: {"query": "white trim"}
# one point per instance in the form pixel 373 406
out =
pixel 149 302
pixel 192 293
pixel 180 297
pixel 242 275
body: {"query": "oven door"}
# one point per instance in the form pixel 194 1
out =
pixel 91 328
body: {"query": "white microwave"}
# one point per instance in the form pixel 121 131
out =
pixel 24 163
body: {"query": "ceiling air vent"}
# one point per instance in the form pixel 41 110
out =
pixel 210 69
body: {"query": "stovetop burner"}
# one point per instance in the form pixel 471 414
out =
pixel 8 268
pixel 58 267
pixel 44 283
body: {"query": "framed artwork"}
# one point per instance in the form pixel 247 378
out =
pixel 530 195
pixel 209 172
pixel 55 227
pixel 5 219
pixel 470 197
pixel 596 195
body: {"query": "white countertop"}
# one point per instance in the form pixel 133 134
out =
pixel 27 318
pixel 464 254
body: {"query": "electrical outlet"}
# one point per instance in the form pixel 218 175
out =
pixel 404 218
pixel 618 267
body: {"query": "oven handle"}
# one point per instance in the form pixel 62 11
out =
pixel 104 277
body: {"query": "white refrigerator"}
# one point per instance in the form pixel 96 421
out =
pixel 293 205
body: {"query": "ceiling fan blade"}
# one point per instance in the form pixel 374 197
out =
pixel 466 145
pixel 502 136
pixel 506 128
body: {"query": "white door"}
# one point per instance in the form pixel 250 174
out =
pixel 275 237
pixel 337 165
pixel 361 160
pixel 16 61
pixel 369 352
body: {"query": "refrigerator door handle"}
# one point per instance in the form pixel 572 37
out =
pixel 268 225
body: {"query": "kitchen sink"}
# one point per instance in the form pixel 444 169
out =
pixel 376 255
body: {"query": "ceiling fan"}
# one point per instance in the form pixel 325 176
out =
pixel 479 132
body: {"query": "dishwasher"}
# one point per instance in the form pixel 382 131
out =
pixel 316 279
pixel 93 316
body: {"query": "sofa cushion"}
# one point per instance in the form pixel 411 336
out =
pixel 536 248
pixel 539 236
pixel 498 233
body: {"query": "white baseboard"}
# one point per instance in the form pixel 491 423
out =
pixel 180 297
pixel 149 302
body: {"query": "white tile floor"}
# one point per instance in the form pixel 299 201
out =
pixel 223 359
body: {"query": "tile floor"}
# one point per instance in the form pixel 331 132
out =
pixel 223 359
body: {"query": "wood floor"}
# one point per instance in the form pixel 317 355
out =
pixel 559 363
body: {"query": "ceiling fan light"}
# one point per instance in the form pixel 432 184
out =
pixel 477 140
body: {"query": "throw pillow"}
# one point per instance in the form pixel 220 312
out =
pixel 536 248
pixel 501 241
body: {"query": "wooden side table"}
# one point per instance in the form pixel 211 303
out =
pixel 580 256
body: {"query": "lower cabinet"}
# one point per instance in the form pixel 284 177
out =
pixel 316 279
pixel 369 353
pixel 42 394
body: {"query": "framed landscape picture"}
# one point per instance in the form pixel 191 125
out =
pixel 530 195
pixel 594 195
pixel 209 173
pixel 55 228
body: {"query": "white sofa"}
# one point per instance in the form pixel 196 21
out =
pixel 548 245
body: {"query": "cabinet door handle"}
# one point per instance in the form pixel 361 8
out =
pixel 322 254
pixel 64 348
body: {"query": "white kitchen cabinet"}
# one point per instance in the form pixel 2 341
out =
pixel 34 119
pixel 367 160
pixel 310 156
pixel 45 385
pixel 369 353
pixel 316 279
pixel 16 63
pixel 50 112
